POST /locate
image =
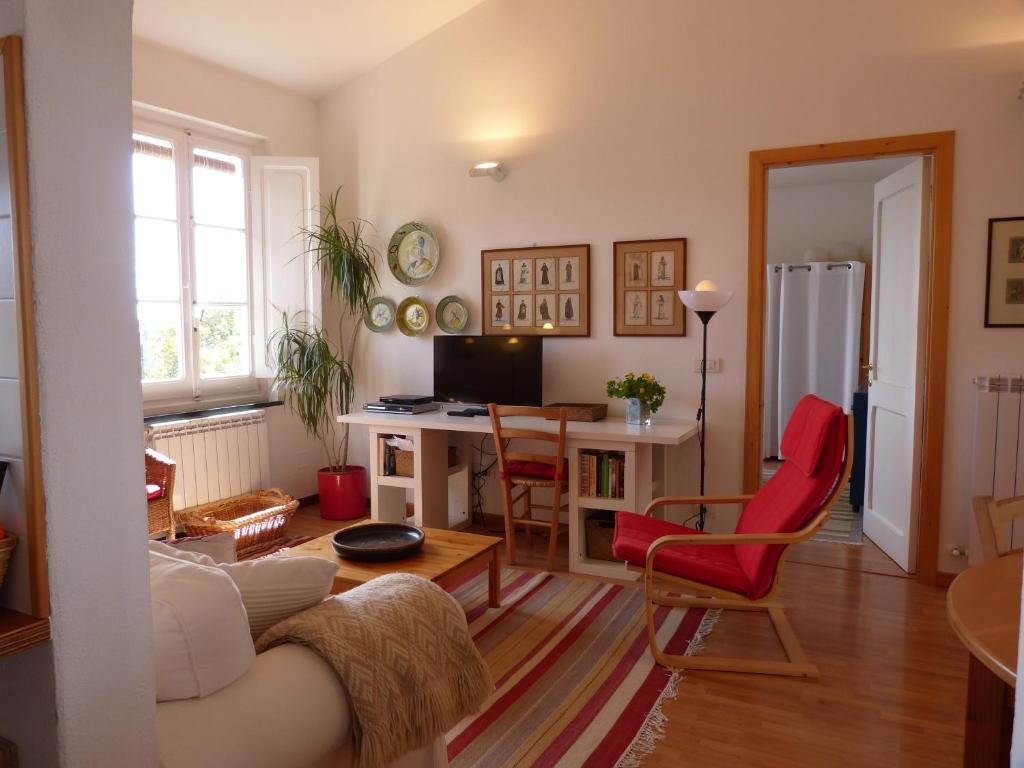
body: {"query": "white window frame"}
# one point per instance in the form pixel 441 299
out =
pixel 191 387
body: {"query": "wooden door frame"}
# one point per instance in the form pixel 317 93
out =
pixel 940 146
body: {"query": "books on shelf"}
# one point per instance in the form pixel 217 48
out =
pixel 602 474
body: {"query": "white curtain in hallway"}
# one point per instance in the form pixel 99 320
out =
pixel 773 294
pixel 812 339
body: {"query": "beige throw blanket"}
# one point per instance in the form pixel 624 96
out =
pixel 401 648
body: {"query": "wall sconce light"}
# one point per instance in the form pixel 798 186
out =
pixel 491 168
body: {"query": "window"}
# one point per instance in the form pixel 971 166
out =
pixel 192 264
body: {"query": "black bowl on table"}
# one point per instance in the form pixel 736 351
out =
pixel 377 542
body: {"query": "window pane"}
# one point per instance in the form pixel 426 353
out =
pixel 153 178
pixel 218 193
pixel 160 336
pixel 223 341
pixel 157 274
pixel 221 268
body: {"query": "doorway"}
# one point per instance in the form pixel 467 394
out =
pixel 849 247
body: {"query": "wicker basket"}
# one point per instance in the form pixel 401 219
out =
pixel 259 519
pixel 7 544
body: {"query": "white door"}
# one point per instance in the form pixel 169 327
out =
pixel 902 225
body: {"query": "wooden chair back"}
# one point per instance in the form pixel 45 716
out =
pixel 502 434
pixel 991 517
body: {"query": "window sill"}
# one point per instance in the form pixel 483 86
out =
pixel 170 413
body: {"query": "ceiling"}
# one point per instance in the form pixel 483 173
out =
pixel 836 173
pixel 309 46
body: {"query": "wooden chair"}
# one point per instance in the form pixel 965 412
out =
pixel 159 493
pixel 991 515
pixel 524 471
pixel 740 571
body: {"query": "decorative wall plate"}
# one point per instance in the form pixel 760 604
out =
pixel 413 253
pixel 413 316
pixel 380 315
pixel 452 314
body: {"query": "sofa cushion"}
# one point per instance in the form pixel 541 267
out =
pixel 219 546
pixel 274 588
pixel 712 564
pixel 201 639
pixel 288 710
pixel 162 548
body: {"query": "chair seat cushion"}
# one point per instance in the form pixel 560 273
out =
pixel 153 491
pixel 711 564
pixel 537 470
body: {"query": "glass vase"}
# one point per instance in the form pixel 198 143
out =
pixel 638 412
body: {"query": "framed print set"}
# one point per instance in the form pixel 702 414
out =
pixel 1004 293
pixel 648 273
pixel 536 291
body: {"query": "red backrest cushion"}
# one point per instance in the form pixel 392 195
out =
pixel 816 440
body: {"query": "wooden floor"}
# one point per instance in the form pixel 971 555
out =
pixel 893 676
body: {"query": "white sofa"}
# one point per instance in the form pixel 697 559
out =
pixel 287 711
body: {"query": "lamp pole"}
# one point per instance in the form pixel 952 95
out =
pixel 705 301
pixel 705 317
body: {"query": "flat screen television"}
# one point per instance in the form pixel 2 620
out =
pixel 507 370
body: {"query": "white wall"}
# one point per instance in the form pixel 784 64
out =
pixel 172 80
pixel 78 94
pixel 287 121
pixel 835 220
pixel 621 121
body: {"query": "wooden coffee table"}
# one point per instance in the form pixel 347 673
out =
pixel 446 557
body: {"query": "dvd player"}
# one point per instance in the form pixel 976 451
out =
pixel 407 399
pixel 412 409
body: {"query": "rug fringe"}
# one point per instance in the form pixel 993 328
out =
pixel 653 730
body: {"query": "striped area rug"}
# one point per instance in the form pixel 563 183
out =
pixel 576 683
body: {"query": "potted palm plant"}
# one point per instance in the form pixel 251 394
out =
pixel 315 374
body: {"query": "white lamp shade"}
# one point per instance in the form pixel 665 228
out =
pixel 705 301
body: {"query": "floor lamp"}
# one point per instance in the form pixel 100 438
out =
pixel 705 302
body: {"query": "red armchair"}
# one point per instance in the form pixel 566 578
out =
pixel 740 571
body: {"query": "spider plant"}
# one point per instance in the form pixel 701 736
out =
pixel 316 375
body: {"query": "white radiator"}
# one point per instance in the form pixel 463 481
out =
pixel 998 448
pixel 216 456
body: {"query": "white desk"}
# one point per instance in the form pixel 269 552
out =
pixel 432 433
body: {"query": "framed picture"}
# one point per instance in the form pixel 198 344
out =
pixel 539 291
pixel 648 274
pixel 1004 294
pixel 500 275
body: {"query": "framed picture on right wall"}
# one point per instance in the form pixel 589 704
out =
pixel 1004 293
pixel 648 274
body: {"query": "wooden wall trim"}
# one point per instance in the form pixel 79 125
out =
pixel 940 146
pixel 17 154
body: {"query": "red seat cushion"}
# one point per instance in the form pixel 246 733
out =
pixel 816 440
pixel 535 469
pixel 153 491
pixel 712 564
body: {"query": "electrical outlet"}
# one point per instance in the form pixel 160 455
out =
pixel 714 365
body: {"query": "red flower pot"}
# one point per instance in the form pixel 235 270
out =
pixel 342 492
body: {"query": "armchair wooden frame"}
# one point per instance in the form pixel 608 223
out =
pixel 664 589
pixel 527 484
pixel 991 515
